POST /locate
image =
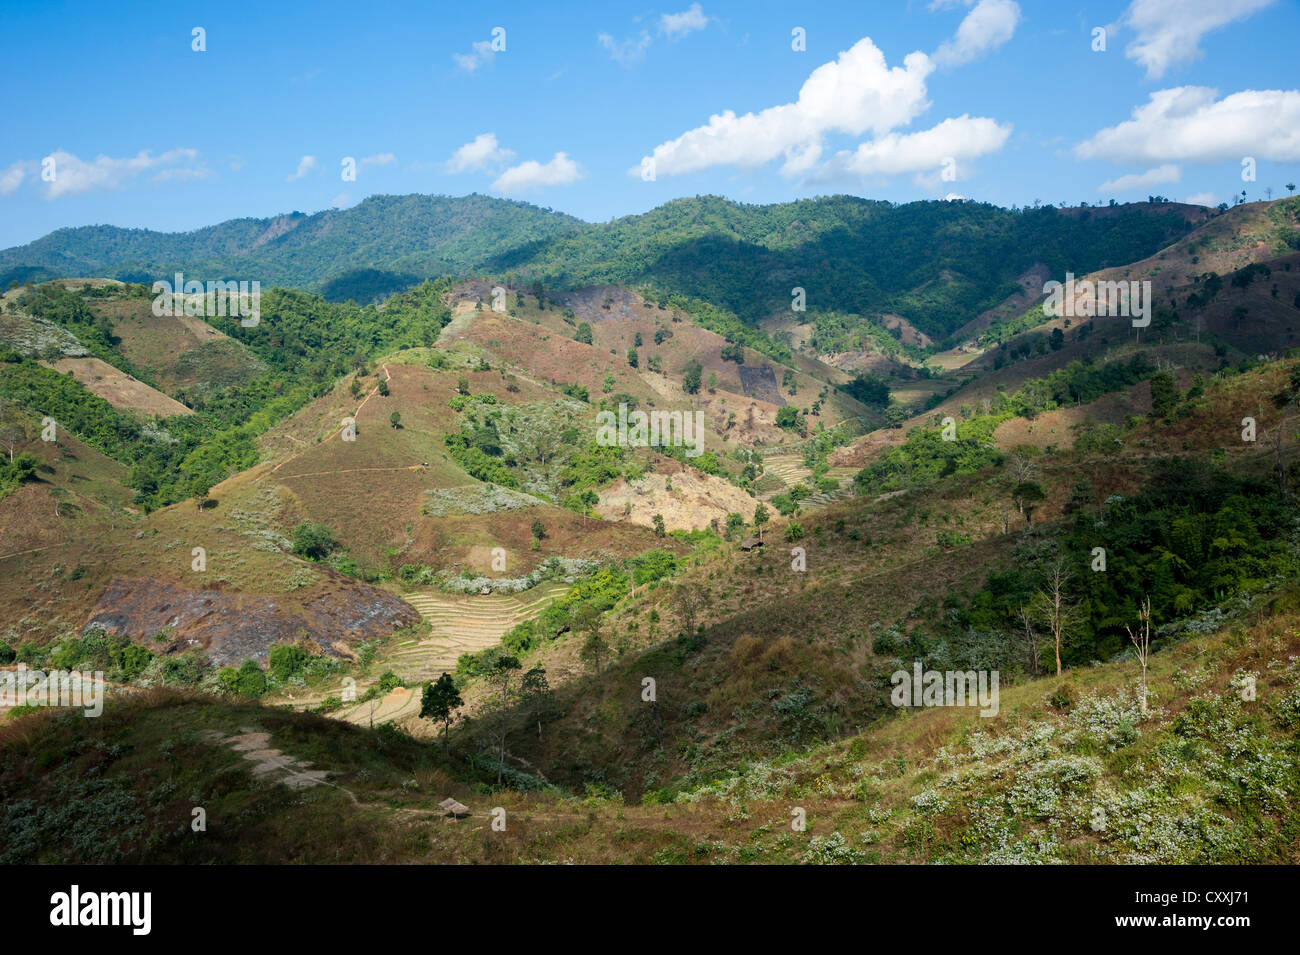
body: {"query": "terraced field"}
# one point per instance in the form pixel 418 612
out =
pixel 464 624
pixel 789 470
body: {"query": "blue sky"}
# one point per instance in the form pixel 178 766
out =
pixel 994 100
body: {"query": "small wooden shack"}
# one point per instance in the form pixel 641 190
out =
pixel 750 543
pixel 454 808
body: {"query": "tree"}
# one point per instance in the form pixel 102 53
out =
pixel 439 703
pixel 539 531
pixel 1164 394
pixel 1023 464
pixel 761 516
pixel 199 487
pixel 658 520
pixel 536 690
pixel 632 358
pixel 383 388
pixel 1053 607
pixel 1031 638
pixel 395 419
pixel 787 416
pixel 313 541
pixel 1290 187
pixel 583 334
pixel 691 377
pixel 688 600
pixel 501 670
pixel 1027 496
pixel 1142 644
pixel 13 427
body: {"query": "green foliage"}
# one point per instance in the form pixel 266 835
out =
pixel 313 541
pixel 652 565
pixel 477 462
pixel 691 377
pixel 926 457
pixel 869 388
pixel 286 661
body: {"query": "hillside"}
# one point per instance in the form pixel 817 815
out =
pixel 272 540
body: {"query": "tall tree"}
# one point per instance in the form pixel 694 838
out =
pixel 501 671
pixel 535 690
pixel 1053 607
pixel 439 703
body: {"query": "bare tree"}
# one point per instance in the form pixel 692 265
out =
pixel 13 428
pixel 501 670
pixel 1022 465
pixel 1142 643
pixel 1053 607
pixel 689 600
pixel 1031 638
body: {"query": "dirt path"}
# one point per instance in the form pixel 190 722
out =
pixel 388 376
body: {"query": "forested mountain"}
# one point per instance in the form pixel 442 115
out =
pixel 419 235
pixel 935 263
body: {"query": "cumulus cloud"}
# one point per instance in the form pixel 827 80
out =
pixel 305 165
pixel 12 177
pixel 378 159
pixel 954 141
pixel 677 25
pixel 480 153
pixel 560 171
pixel 1203 199
pixel 1169 32
pixel 1158 176
pixel 855 94
pixel 626 52
pixel 1188 124
pixel 480 53
pixel 73 175
pixel 989 25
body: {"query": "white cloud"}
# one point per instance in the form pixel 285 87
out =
pixel 854 94
pixel 74 175
pixel 958 139
pixel 480 53
pixel 1141 180
pixel 12 177
pixel 627 52
pixel 674 26
pixel 677 25
pixel 379 159
pixel 305 165
pixel 1187 124
pixel 1203 199
pixel 340 201
pixel 989 25
pixel 560 171
pixel 1169 31
pixel 480 153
